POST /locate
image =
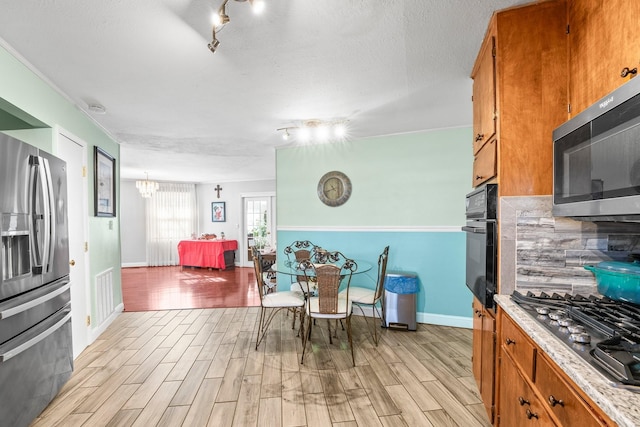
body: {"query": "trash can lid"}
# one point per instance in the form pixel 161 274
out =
pixel 401 282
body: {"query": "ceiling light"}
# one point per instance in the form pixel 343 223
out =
pixel 221 18
pixel 257 6
pixel 214 45
pixel 97 108
pixel 147 188
pixel 316 131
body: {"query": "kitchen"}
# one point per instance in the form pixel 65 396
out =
pixel 412 251
pixel 544 242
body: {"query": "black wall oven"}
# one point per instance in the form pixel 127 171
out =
pixel 482 242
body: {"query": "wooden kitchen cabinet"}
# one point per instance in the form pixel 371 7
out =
pixel 603 40
pixel 520 96
pixel 519 404
pixel 530 380
pixel 485 163
pixel 484 348
pixel 484 95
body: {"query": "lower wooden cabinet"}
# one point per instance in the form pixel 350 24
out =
pixel 519 405
pixel 533 390
pixel 568 407
pixel 484 348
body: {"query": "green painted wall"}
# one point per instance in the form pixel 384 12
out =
pixel 24 90
pixel 408 192
pixel 412 179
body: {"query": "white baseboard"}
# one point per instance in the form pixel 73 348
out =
pixel 95 333
pixel 134 264
pixel 429 318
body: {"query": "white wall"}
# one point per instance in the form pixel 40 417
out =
pixel 132 226
pixel 133 222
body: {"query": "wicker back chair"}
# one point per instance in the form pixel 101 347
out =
pixel 325 301
pixel 362 296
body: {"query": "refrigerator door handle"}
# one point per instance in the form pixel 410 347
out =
pixel 42 238
pixel 42 295
pixel 8 351
pixel 50 216
pixel 36 250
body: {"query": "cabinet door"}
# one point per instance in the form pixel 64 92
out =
pixel 484 95
pixel 518 406
pixel 484 164
pixel 488 362
pixel 603 40
pixel 477 342
pixel 567 406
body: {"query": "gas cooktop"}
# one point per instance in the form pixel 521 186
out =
pixel 604 332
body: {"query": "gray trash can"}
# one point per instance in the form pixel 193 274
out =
pixel 399 309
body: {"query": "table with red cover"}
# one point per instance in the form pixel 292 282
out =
pixel 207 253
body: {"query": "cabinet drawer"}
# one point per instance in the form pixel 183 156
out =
pixel 518 345
pixel 484 164
pixel 560 398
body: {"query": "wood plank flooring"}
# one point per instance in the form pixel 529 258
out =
pixel 170 288
pixel 199 367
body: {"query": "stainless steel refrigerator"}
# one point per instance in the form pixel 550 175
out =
pixel 36 355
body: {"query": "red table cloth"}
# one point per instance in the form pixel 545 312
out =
pixel 205 253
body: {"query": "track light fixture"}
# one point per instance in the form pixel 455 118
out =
pixel 316 131
pixel 220 19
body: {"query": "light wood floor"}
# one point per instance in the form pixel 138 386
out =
pixel 199 368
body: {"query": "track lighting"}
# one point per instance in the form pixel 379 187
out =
pixel 214 43
pixel 220 19
pixel 316 131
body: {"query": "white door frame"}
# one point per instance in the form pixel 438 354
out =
pixel 242 244
pixel 79 311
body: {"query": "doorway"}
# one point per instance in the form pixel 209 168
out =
pixel 74 151
pixel 258 225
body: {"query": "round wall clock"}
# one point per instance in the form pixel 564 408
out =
pixel 334 188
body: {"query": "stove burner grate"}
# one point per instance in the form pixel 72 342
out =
pixel 620 358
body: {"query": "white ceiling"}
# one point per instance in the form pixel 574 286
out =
pixel 182 113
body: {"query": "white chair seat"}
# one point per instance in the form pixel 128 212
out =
pixel 299 287
pixel 360 295
pixel 283 299
pixel 344 309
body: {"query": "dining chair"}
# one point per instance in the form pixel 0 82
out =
pixel 298 251
pixel 268 275
pixel 326 302
pixel 272 303
pixel 361 296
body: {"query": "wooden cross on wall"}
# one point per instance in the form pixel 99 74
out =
pixel 218 188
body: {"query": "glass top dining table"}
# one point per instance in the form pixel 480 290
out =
pixel 290 267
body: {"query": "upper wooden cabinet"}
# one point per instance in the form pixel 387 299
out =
pixel 484 95
pixel 603 41
pixel 528 98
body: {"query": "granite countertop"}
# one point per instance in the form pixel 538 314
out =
pixel 621 405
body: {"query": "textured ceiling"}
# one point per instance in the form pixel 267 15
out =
pixel 182 113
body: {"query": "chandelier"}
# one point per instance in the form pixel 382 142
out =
pixel 220 19
pixel 146 187
pixel 316 131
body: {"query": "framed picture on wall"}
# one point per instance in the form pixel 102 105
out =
pixel 218 212
pixel 104 190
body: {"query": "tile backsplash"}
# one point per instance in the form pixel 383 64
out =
pixel 541 252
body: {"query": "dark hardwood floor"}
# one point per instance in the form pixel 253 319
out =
pixel 170 288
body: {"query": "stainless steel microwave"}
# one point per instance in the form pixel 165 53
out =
pixel 596 160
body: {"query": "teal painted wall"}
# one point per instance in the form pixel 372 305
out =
pixel 408 192
pixel 23 89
